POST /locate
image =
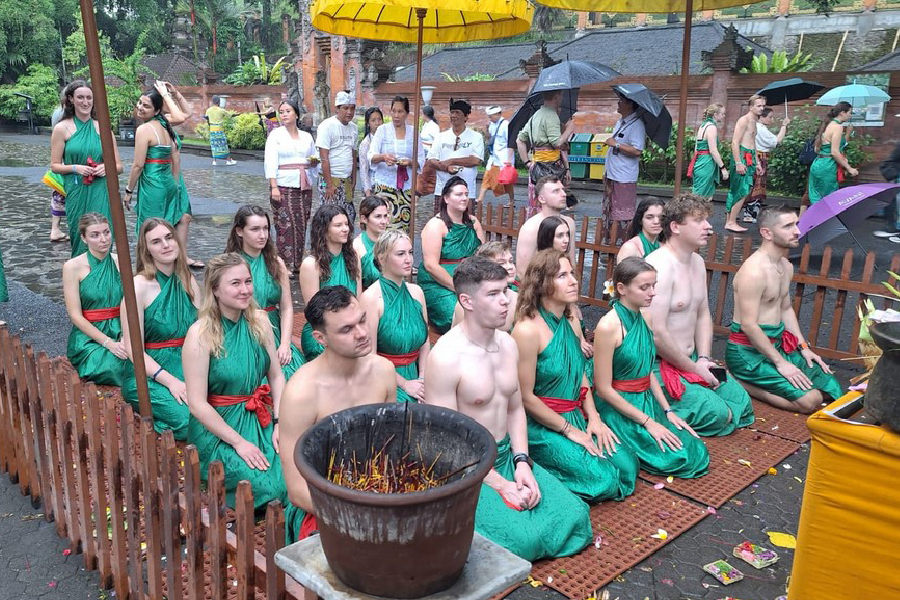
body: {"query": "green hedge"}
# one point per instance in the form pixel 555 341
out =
pixel 242 131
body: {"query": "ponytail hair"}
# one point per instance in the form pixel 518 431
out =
pixel 832 114
pixel 156 100
pixel 711 111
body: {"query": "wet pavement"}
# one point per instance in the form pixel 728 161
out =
pixel 36 311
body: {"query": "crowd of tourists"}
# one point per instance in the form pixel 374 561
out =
pixel 575 414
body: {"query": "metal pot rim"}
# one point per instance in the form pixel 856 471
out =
pixel 475 476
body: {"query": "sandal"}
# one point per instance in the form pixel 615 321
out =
pixel 196 264
pixel 64 238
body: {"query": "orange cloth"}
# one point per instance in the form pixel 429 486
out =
pixel 641 384
pixel 401 360
pixel 789 341
pixel 671 376
pixel 561 405
pixel 258 402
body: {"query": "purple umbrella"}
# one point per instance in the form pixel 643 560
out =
pixel 840 211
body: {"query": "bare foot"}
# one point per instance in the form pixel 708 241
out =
pixel 735 228
pixel 62 237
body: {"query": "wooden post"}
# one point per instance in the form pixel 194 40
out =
pixel 171 515
pixel 275 589
pixel 682 97
pixel 75 397
pixel 98 465
pixel 417 95
pixel 67 453
pixel 150 477
pixel 101 107
pixel 193 524
pixel 54 495
pixel 218 557
pixel 119 559
pixel 132 494
pixel 243 528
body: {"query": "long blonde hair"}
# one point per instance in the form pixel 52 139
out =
pixel 538 283
pixel 145 266
pixel 209 316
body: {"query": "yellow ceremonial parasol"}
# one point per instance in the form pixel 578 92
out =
pixel 658 6
pixel 418 22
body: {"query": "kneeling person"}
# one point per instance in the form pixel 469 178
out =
pixel 347 374
pixel 521 507
pixel 766 351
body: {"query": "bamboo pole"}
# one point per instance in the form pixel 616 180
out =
pixel 420 13
pixel 682 101
pixel 101 107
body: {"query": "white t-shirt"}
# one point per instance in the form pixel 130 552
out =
pixel 430 131
pixel 340 141
pixel 620 166
pixel 765 139
pixel 471 143
pixel 500 153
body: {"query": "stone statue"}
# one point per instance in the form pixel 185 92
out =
pixel 351 82
pixel 321 96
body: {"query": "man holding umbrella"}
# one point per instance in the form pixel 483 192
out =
pixel 542 134
pixel 623 163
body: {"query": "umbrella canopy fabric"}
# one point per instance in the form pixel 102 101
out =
pixel 396 20
pixel 641 6
pixel 857 94
pixel 789 90
pixel 840 211
pixel 654 114
pixel 571 74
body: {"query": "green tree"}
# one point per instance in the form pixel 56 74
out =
pixel 780 63
pixel 75 50
pixel 41 83
pixel 213 15
pixel 28 36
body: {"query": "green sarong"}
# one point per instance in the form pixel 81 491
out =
pixel 83 198
pixel 460 243
pixel 157 191
pixel 183 202
pixel 102 288
pixel 167 318
pixel 370 272
pixel 267 293
pixel 646 245
pixel 748 364
pixel 239 372
pixel 558 378
pixel 4 291
pixel 633 359
pixel 823 174
pixel 706 174
pixel 401 331
pixel 711 412
pixel 338 276
pixel 558 526
pixel 741 184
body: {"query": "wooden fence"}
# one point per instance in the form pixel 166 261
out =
pixel 819 294
pixel 129 500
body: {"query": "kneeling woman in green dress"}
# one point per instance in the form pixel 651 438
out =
pixel 227 354
pixel 92 288
pixel 630 399
pixel 562 419
pixel 397 316
pixel 373 220
pixel 250 238
pixel 449 237
pixel 332 261
pixel 167 298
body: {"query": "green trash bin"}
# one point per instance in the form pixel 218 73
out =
pixel 579 148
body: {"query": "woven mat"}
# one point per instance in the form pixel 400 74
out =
pixel 625 529
pixel 780 423
pixel 735 462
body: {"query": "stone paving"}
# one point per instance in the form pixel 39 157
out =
pixel 39 567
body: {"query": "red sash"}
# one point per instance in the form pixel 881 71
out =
pixel 257 402
pixel 95 315
pixel 173 343
pixel 789 341
pixel 270 308
pixel 690 169
pixel 561 405
pixel 159 160
pixel 401 360
pixel 748 158
pixel 642 384
pixel 308 526
pixel 450 261
pixel 671 377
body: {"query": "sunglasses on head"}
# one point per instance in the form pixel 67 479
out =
pixel 456 145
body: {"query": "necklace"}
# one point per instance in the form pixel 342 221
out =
pixel 474 343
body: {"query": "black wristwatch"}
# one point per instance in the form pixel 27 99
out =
pixel 274 420
pixel 522 457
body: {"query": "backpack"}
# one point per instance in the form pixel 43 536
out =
pixel 808 152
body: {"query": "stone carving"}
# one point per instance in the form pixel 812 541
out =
pixel 321 96
pixel 351 82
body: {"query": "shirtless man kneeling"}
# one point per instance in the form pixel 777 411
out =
pixel 683 327
pixel 347 374
pixel 551 197
pixel 766 350
pixel 473 369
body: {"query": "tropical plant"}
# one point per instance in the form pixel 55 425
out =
pixel 473 77
pixel 213 14
pixel 246 132
pixel 41 83
pixel 74 51
pixel 27 36
pixel 546 18
pixel 780 63
pixel 256 71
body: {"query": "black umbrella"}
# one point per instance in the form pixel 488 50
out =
pixel 788 90
pixel 568 76
pixel 654 114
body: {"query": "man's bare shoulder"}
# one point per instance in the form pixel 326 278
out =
pixel 660 258
pixel 447 347
pixel 379 365
pixel 697 262
pixel 507 343
pixel 531 223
